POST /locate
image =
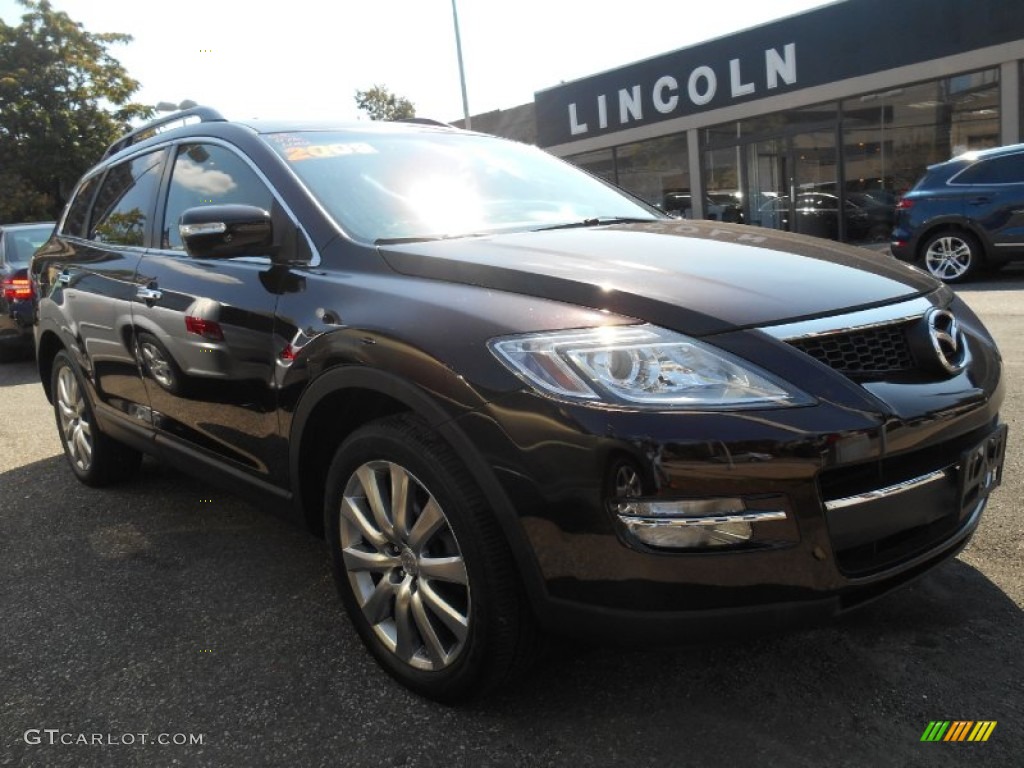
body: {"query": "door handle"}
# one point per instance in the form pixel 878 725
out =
pixel 148 294
pixel 979 201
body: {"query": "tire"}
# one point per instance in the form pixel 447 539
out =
pixel 94 457
pixel 159 363
pixel 952 256
pixel 444 639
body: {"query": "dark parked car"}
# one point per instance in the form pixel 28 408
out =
pixel 17 244
pixel 817 214
pixel 515 399
pixel 964 215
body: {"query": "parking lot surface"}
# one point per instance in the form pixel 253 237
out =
pixel 165 622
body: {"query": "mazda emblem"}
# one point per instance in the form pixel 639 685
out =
pixel 947 340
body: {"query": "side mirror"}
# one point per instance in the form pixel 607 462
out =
pixel 225 231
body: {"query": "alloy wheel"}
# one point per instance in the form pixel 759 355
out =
pixel 949 257
pixel 74 421
pixel 157 364
pixel 404 565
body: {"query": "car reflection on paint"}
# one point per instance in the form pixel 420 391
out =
pixel 215 343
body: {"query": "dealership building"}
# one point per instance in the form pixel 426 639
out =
pixel 787 124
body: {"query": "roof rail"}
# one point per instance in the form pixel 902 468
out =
pixel 205 115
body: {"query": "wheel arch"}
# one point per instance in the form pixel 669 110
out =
pixel 46 350
pixel 344 398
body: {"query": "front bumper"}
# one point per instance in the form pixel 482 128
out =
pixel 869 499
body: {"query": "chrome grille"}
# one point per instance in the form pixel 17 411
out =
pixel 864 352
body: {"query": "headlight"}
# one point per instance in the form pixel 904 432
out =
pixel 641 365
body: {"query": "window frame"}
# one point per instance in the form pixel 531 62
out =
pixel 147 233
pixel 165 189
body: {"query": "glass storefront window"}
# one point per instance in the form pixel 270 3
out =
pixel 767 126
pixel 891 137
pixel 722 191
pixel 600 163
pixel 783 158
pixel 658 171
pixel 785 169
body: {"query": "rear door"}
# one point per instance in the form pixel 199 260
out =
pixel 103 239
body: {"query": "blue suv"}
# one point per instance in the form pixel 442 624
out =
pixel 964 215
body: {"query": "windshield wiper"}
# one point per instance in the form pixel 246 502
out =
pixel 414 239
pixel 595 221
pixel 426 239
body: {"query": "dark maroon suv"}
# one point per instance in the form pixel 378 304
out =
pixel 514 399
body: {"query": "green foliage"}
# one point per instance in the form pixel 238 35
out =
pixel 63 100
pixel 381 104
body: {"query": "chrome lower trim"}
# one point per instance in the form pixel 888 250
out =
pixel 687 522
pixel 882 493
pixel 854 321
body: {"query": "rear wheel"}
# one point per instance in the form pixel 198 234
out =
pixel 95 458
pixel 421 565
pixel 952 256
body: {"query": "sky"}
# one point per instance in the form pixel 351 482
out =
pixel 305 59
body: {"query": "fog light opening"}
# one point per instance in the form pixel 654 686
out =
pixel 692 523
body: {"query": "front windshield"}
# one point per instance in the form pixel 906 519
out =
pixel 402 185
pixel 21 242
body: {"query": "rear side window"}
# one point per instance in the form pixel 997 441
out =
pixel 126 200
pixel 76 223
pixel 19 244
pixel 208 174
pixel 997 170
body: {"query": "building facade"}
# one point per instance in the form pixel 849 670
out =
pixel 815 123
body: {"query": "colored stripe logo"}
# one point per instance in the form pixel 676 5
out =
pixel 958 730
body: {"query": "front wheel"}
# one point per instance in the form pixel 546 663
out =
pixel 95 458
pixel 421 565
pixel 952 256
pixel 157 361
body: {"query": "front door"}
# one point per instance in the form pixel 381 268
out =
pixel 204 329
pixel 768 182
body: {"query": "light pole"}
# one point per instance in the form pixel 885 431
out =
pixel 462 70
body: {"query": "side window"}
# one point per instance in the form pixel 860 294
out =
pixel 126 200
pixel 76 223
pixel 208 174
pixel 1009 169
pixel 999 170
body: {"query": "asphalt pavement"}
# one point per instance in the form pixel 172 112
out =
pixel 165 622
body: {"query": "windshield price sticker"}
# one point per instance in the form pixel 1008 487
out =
pixel 310 151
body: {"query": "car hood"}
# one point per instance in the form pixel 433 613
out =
pixel 697 277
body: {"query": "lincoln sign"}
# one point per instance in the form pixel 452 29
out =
pixel 827 45
pixel 701 89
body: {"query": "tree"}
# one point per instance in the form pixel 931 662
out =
pixel 63 100
pixel 381 104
